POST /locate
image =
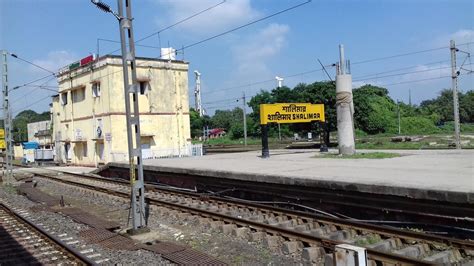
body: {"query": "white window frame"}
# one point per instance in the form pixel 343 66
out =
pixel 75 95
pixel 64 98
pixel 96 89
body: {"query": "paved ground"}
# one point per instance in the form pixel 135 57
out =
pixel 421 174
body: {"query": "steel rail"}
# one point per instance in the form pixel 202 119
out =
pixel 79 258
pixel 286 233
pixel 384 230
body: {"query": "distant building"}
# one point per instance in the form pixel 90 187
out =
pixel 216 133
pixel 88 114
pixel 40 132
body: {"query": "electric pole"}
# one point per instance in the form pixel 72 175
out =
pixel 279 84
pixel 245 119
pixel 197 94
pixel 7 119
pixel 409 97
pixel 399 124
pixel 132 118
pixel 454 77
pixel 344 106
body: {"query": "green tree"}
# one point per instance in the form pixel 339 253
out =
pixel 19 128
pixel 443 106
pixel 375 111
pixel 197 123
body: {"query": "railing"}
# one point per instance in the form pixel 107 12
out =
pixel 190 150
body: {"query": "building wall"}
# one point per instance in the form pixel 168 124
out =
pixel 164 111
pixel 34 128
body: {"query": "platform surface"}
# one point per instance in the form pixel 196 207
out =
pixel 431 174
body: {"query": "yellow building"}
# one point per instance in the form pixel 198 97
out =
pixel 88 114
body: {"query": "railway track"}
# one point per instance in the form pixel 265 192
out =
pixel 311 236
pixel 24 243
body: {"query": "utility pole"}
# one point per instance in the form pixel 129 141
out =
pixel 197 94
pixel 409 97
pixel 399 124
pixel 132 117
pixel 245 118
pixel 280 84
pixel 344 107
pixel 279 81
pixel 7 117
pixel 454 77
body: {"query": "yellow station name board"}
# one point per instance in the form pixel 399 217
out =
pixel 2 139
pixel 291 113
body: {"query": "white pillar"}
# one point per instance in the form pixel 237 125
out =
pixel 344 108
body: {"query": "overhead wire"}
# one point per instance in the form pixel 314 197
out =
pixel 29 105
pixel 400 69
pixel 405 73
pixel 167 27
pixel 31 63
pixel 226 32
pixel 30 92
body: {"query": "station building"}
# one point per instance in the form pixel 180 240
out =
pixel 40 132
pixel 88 114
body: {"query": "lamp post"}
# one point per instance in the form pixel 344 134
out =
pixel 132 117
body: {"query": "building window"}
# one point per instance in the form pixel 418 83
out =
pixel 64 98
pixel 144 87
pixel 78 95
pixel 84 149
pixel 96 89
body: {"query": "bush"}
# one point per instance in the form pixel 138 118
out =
pixel 448 127
pixel 360 133
pixel 416 125
pixel 236 131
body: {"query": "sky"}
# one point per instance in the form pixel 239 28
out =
pixel 54 33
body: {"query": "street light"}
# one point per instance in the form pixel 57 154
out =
pixel 132 120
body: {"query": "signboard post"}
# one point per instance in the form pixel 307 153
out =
pixel 282 113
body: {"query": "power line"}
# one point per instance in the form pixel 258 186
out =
pixel 27 106
pixel 226 32
pixel 404 54
pixel 267 80
pixel 225 100
pixel 30 92
pixel 182 21
pixel 400 69
pixel 414 81
pixel 245 25
pixel 166 28
pixel 405 73
pixel 31 63
pixel 36 80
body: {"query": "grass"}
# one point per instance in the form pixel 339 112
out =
pixel 362 155
pixel 432 141
pixel 228 141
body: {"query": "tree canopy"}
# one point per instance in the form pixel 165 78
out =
pixel 19 129
pixel 375 111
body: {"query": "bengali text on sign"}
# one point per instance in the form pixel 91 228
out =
pixel 291 113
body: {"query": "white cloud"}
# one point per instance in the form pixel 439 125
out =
pixel 427 72
pixel 230 13
pixel 55 60
pixel 253 54
pixel 460 36
pixel 463 36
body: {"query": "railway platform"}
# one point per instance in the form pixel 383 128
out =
pixel 440 175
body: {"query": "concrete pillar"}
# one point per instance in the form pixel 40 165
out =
pixel 344 109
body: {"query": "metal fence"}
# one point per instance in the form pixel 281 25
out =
pixel 190 150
